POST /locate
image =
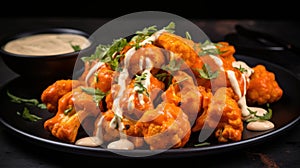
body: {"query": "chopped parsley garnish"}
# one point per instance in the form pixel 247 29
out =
pixel 30 102
pixel 181 80
pixel 142 35
pixel 97 94
pixel 164 77
pixel 147 32
pixel 207 73
pixel 173 66
pixel 75 47
pixel 28 116
pixel 209 48
pixel 202 144
pixel 170 27
pixel 109 53
pixel 188 36
pixel 241 69
pixel 68 110
pixel 138 84
pixel 266 116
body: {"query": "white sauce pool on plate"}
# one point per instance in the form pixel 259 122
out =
pixel 260 125
pixel 46 44
pixel 122 143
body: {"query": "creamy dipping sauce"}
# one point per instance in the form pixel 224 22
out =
pixel 46 44
pixel 260 125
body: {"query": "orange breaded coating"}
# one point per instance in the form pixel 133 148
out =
pixel 184 93
pixel 227 52
pixel 224 115
pixel 183 47
pixel 212 63
pixel 263 88
pixel 103 78
pixel 165 127
pixel 54 92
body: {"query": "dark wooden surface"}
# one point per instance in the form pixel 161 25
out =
pixel 281 151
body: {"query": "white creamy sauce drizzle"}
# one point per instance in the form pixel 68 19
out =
pixel 209 46
pixel 123 143
pixel 131 104
pixel 256 125
pixel 217 61
pixel 152 38
pixel 46 44
pixel 96 140
pixel 241 64
pixel 92 71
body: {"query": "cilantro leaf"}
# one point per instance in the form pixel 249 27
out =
pixel 28 116
pixel 207 73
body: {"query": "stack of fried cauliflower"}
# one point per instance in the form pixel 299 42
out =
pixel 156 92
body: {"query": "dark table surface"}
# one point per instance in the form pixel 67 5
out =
pixel 281 151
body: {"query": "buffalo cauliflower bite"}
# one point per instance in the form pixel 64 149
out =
pixel 164 127
pixel 51 95
pixel 145 57
pixel 103 78
pixel 224 115
pixel 263 88
pixel 136 99
pixel 184 93
pixel 73 108
pixel 182 47
pixel 107 133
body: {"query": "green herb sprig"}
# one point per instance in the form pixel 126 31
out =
pixel 29 102
pixel 138 84
pixel 75 47
pixel 207 73
pixel 28 116
pixel 241 69
pixel 266 116
pixel 97 94
pixel 202 144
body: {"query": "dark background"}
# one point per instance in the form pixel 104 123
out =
pixel 199 9
pixel 216 18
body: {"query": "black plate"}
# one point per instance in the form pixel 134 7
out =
pixel 286 112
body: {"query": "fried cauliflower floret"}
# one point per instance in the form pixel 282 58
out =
pixel 227 52
pixel 182 47
pixel 213 65
pixel 164 127
pixel 103 78
pixel 147 56
pixel 73 108
pixel 54 92
pixel 137 97
pixel 133 133
pixel 105 132
pixel 263 88
pixel 184 93
pixel 224 115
